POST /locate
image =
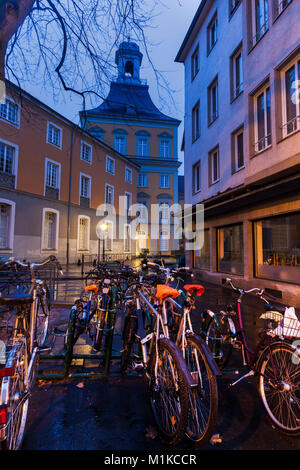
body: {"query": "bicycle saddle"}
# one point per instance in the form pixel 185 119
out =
pixel 195 288
pixel 17 298
pixel 163 291
pixel 92 287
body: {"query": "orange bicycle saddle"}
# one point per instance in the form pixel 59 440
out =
pixel 92 287
pixel 163 291
pixel 195 288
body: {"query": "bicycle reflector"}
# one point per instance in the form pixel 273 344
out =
pixel 7 372
pixel 3 414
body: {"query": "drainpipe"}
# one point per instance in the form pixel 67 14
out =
pixel 69 198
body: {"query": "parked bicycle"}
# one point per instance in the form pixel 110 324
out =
pixel 275 360
pixel 25 319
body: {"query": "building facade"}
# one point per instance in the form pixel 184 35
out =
pixel 53 178
pixel 129 121
pixel 242 140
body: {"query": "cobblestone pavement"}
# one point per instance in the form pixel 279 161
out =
pixel 114 413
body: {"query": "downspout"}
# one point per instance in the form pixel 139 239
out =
pixel 69 198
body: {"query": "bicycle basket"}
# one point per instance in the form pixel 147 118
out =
pixel 284 325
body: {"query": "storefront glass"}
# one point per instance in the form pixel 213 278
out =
pixel 277 248
pixel 231 249
pixel 202 257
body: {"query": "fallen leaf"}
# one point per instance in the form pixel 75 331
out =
pixel 216 439
pixel 151 432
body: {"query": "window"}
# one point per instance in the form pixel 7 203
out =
pixel 110 165
pixel 197 177
pixel 214 160
pixel 142 211
pixel 7 215
pixel 277 248
pixel 213 104
pixel 164 213
pixel 202 256
pixel 233 4
pixel 108 237
pixel 236 74
pixel 142 180
pixel 109 194
pixel 291 94
pixel 164 181
pixel 262 113
pixel 7 159
pixel 128 204
pixel 83 233
pixel 86 152
pixel 52 174
pixel 164 148
pixel 10 111
pixel 212 31
pixel 120 143
pixel 260 19
pixel 196 121
pixel 50 229
pixel 85 186
pixel 54 135
pixel 164 240
pixel 238 150
pixel 127 238
pixel 128 175
pixel 195 63
pixel 142 146
pixel 280 5
pixel 231 249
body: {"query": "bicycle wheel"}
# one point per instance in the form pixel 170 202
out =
pixel 129 332
pixel 203 395
pixel 42 316
pixel 14 394
pixel 100 323
pixel 218 339
pixel 279 386
pixel 169 392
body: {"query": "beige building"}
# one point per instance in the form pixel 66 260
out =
pixel 242 140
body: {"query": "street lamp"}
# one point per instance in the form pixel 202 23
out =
pixel 103 228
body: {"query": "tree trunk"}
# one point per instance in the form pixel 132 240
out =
pixel 12 15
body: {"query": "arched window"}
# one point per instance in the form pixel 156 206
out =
pixel 129 67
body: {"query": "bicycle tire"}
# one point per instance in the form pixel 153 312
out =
pixel 42 317
pixel 217 338
pixel 172 390
pixel 203 415
pixel 129 333
pixel 100 324
pixel 286 387
pixel 12 387
pixel 69 341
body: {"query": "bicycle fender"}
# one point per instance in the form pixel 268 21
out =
pixel 211 362
pixel 186 373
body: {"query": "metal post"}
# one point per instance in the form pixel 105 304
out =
pixel 82 265
pixel 98 255
pixel 103 250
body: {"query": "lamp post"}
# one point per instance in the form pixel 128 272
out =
pixel 103 228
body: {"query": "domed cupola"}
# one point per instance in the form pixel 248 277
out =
pixel 129 59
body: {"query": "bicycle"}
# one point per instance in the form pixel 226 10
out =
pixel 275 361
pixel 168 377
pixel 26 325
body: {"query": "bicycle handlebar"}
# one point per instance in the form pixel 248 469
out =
pixel 256 290
pixel 50 259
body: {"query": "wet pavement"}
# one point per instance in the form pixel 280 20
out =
pixel 114 413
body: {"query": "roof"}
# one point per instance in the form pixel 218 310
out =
pixel 130 100
pixel 178 57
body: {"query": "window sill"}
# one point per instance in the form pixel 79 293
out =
pixel 288 135
pixel 232 12
pixel 278 15
pixel 235 98
pixel 261 151
pixel 257 42
pixel 194 76
pixel 196 138
pixel 58 147
pixel 212 183
pixel 86 161
pixel 195 193
pixel 237 170
pixel 11 123
pixel 211 48
pixel 210 123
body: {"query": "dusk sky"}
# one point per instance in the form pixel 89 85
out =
pixel 165 36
